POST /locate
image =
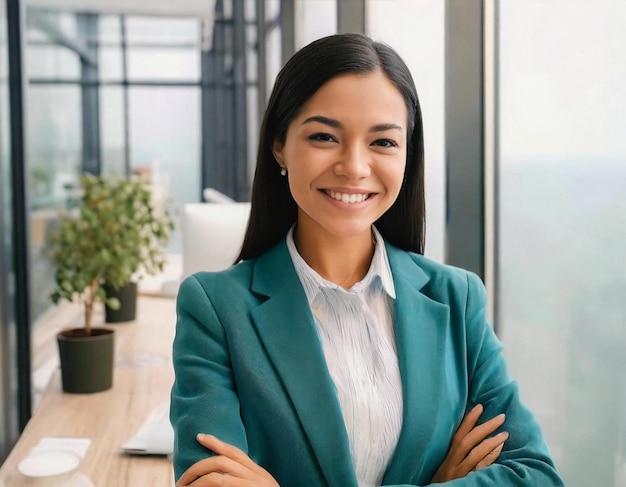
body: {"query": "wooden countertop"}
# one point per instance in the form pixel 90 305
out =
pixel 142 380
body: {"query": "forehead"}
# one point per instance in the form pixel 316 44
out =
pixel 358 96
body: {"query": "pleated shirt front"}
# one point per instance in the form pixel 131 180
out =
pixel 356 329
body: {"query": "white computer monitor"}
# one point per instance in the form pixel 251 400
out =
pixel 212 235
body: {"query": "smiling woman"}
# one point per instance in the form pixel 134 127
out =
pixel 333 352
pixel 345 155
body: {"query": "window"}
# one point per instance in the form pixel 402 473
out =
pixel 561 227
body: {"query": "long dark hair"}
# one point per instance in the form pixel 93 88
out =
pixel 273 209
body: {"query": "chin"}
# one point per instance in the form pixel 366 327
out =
pixel 349 229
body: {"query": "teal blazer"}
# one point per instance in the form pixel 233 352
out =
pixel 250 370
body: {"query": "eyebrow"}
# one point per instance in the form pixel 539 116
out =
pixel 331 122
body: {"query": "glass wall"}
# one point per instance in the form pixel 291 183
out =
pixel 54 114
pixel 314 19
pixel 562 207
pixel 144 116
pixel 54 134
pixel 150 102
pixel 122 93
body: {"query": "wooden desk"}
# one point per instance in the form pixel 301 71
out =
pixel 142 381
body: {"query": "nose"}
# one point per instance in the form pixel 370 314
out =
pixel 353 163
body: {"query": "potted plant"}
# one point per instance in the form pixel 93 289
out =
pixel 82 249
pixel 142 229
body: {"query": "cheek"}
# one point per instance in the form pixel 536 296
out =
pixel 307 164
pixel 394 175
pixel 300 179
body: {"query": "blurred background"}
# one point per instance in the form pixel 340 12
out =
pixel 524 107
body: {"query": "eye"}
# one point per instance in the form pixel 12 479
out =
pixel 322 137
pixel 385 143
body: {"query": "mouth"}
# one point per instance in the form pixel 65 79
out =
pixel 349 198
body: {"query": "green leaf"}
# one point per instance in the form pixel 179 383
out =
pixel 113 303
pixel 115 232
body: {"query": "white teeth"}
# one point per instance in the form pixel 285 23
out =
pixel 347 198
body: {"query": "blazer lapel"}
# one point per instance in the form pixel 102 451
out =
pixel 287 329
pixel 420 335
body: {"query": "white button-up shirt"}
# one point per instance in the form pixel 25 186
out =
pixel 356 329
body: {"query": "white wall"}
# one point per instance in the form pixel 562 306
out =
pixel 415 28
pixel 314 19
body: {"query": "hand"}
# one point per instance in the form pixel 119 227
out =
pixel 229 467
pixel 471 448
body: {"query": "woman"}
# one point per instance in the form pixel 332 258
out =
pixel 334 353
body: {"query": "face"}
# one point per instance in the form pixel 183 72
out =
pixel 345 155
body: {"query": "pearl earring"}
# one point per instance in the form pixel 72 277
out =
pixel 283 171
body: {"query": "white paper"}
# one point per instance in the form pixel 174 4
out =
pixel 154 437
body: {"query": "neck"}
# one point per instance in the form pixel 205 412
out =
pixel 340 260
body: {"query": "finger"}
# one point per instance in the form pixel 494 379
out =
pixel 456 454
pixel 481 451
pixel 219 480
pixel 192 473
pixel 231 451
pixel 220 447
pixel 481 432
pixel 490 458
pixel 218 464
pixel 468 423
pixel 463 445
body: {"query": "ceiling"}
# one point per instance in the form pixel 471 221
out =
pixel 200 8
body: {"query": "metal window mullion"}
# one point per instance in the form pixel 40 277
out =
pixel 208 124
pixel 90 106
pixel 351 16
pixel 40 21
pixel 492 124
pixel 125 96
pixel 287 30
pixel 214 117
pixel 464 124
pixel 19 215
pixel 100 83
pixel 240 104
pixel 261 32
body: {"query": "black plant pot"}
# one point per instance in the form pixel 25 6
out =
pixel 86 360
pixel 127 297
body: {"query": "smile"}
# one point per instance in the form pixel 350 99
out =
pixel 348 198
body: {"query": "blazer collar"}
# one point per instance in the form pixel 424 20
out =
pixel 287 328
pixel 420 336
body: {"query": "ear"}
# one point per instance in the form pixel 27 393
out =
pixel 277 150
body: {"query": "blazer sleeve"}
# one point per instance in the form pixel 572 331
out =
pixel 203 398
pixel 525 459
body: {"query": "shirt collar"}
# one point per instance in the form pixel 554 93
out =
pixel 378 273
